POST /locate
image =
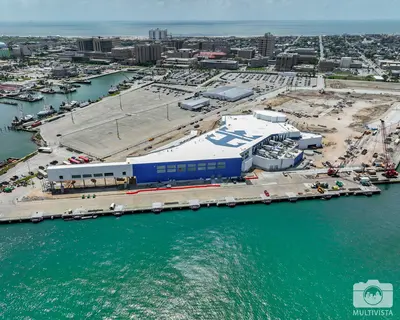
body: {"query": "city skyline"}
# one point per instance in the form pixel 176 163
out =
pixel 197 10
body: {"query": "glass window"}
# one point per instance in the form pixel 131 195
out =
pixel 109 174
pixel 171 169
pixel 61 177
pixel 86 175
pixel 124 173
pixel 192 165
pixel 98 175
pixel 76 176
pixel 181 167
pixel 211 166
pixel 160 168
pixel 192 168
pixel 221 165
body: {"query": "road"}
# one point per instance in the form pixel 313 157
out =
pixel 321 48
pixel 368 62
pixel 292 44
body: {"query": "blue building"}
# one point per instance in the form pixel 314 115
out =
pixel 263 140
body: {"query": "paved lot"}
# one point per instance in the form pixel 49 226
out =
pixel 94 129
pixel 268 81
pixel 275 183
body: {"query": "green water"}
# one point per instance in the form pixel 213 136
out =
pixel 283 261
pixel 18 144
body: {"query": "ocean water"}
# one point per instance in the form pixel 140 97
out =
pixel 199 28
pixel 18 144
pixel 283 261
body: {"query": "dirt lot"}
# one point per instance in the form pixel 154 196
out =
pixel 340 118
pixel 343 84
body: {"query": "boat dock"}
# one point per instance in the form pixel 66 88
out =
pixel 76 207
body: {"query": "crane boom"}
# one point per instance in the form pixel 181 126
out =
pixel 390 170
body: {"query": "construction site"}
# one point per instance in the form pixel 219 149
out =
pixel 358 129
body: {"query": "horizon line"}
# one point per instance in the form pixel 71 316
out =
pixel 194 21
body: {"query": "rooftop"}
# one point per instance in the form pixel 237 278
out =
pixel 236 135
pixel 229 91
pixel 195 102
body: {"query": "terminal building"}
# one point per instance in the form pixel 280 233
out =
pixel 228 93
pixel 194 104
pixel 262 140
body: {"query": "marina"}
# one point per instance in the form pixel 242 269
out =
pixel 18 143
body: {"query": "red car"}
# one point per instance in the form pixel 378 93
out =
pixel 266 193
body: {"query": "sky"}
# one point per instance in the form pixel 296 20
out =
pixel 176 10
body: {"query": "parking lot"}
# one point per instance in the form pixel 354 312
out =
pixel 104 128
pixel 190 78
pixel 268 81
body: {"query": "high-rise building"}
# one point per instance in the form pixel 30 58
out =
pixel 158 34
pixel 266 45
pixel 286 61
pixel 147 53
pixel 96 44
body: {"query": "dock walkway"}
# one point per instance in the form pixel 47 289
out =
pixel 292 189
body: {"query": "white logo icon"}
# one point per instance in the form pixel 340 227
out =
pixel 372 294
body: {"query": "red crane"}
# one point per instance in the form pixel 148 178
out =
pixel 390 170
pixel 334 171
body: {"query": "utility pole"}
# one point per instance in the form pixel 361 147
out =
pixel 168 112
pixel 116 122
pixel 120 102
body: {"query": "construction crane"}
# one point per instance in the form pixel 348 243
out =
pixel 390 170
pixel 334 171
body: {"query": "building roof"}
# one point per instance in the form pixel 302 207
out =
pixel 212 55
pixel 230 92
pixel 92 165
pixel 195 102
pixel 236 135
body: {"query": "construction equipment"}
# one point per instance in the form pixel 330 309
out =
pixel 334 171
pixel 390 170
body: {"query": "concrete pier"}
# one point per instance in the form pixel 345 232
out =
pixel 293 188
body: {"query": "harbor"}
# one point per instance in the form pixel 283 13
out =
pixel 18 144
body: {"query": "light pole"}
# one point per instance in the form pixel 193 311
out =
pixel 29 167
pixel 120 101
pixel 168 112
pixel 116 122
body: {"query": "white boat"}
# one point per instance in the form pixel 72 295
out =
pixel 27 118
pixel 47 110
pixel 84 104
pixel 113 90
pixel 69 106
